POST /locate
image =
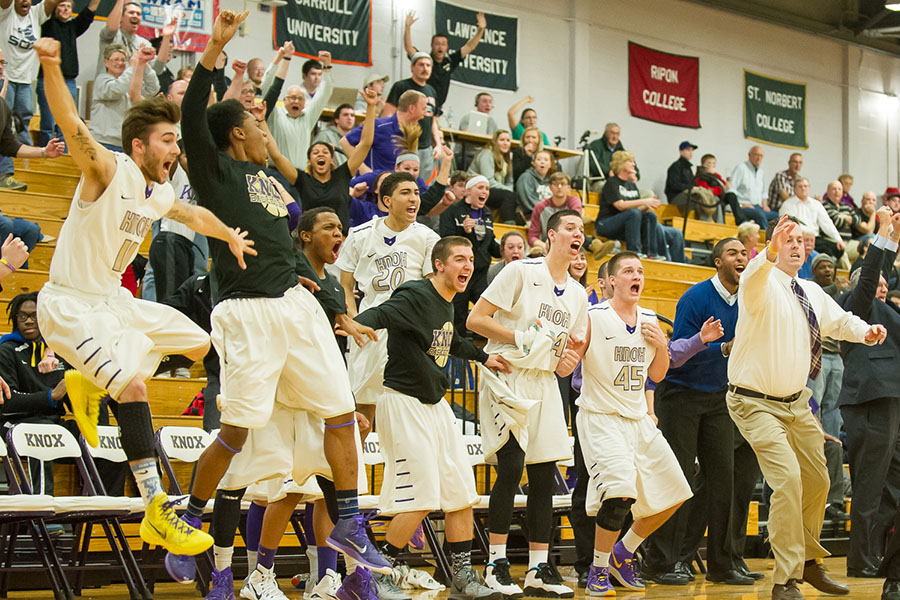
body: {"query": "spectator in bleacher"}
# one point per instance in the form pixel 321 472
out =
pixel 512 247
pixel 121 28
pixel 374 82
pixel 494 161
pixel 866 219
pixel 292 124
pixel 810 253
pixel 893 296
pixel 811 213
pixel 578 270
pixel 560 199
pixel 601 151
pixel 680 181
pixel 443 58
pixel 748 183
pixel 312 71
pixel 534 184
pixel 527 119
pixel 394 135
pixel 484 104
pixel 748 235
pixel 114 92
pixel 843 217
pixel 892 198
pixel 523 155
pixel 38 390
pixel 782 186
pixel 470 219
pixel 623 214
pixel 847 182
pixel 431 138
pixel 719 186
pixel 343 121
pixel 869 406
pixel 61 26
pixel 365 201
pixel 256 70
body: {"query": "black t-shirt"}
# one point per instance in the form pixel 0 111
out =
pixel 420 340
pixel 67 32
pixel 431 102
pixel 241 195
pixel 330 294
pixel 616 189
pixel 440 75
pixel 334 193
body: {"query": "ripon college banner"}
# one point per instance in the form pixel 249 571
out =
pixel 663 87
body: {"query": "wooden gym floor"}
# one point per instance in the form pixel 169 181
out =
pixel 860 589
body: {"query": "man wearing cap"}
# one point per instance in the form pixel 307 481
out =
pixel 777 347
pixel 680 177
pixel 782 186
pixel 892 198
pixel 420 67
pixel 443 59
pixel 375 82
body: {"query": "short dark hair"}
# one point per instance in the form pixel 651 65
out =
pixel 320 143
pixel 613 263
pixel 308 220
pixel 337 111
pixel 441 250
pixel 719 248
pixel 440 35
pixel 221 118
pixel 143 115
pixel 603 270
pixel 458 176
pixel 127 4
pixel 706 157
pixel 480 94
pixel 553 221
pixel 391 182
pixel 15 305
pixel 309 66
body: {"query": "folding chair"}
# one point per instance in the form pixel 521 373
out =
pixel 18 509
pixel 47 442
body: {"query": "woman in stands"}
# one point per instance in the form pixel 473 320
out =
pixel 114 91
pixel 523 156
pixel 494 161
pixel 528 118
pixel 578 267
pixel 748 235
pixel 534 184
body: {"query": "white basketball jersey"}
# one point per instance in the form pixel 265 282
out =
pixel 99 239
pixel 381 258
pixel 183 193
pixel 615 365
pixel 525 293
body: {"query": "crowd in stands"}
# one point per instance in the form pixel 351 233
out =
pixel 514 180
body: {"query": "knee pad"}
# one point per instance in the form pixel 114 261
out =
pixel 613 512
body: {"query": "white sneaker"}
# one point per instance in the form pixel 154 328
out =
pixel 543 582
pixel 414 579
pixel 261 585
pixel 327 587
pixel 497 577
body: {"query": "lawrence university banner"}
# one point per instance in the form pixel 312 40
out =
pixel 663 87
pixel 342 27
pixel 774 111
pixel 493 63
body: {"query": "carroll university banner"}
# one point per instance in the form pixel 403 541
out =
pixel 493 63
pixel 342 27
pixel 663 87
pixel 774 111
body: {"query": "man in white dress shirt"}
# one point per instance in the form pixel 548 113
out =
pixel 813 215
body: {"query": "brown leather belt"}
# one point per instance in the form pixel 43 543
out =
pixel 754 394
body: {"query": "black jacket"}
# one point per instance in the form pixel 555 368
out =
pixel 680 177
pixel 870 372
pixel 452 224
pixel 67 33
pixel 30 389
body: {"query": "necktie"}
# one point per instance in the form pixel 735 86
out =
pixel 815 337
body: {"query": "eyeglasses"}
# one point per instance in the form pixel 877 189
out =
pixel 294 98
pixel 25 317
pixel 2 63
pixel 560 183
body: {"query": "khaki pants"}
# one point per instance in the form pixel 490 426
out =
pixel 789 443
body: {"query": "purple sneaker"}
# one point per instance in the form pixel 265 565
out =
pixel 181 567
pixel 418 539
pixel 624 568
pixel 222 585
pixel 359 585
pixel 598 583
pixel 349 536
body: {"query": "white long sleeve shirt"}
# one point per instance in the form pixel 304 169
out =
pixel 771 351
pixel 813 215
pixel 748 183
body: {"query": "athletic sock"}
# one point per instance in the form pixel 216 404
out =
pixel 536 557
pixel 328 560
pixel 252 559
pixel 254 528
pixel 195 507
pixel 308 528
pixel 348 503
pixel 223 557
pixel 601 559
pixel 497 551
pixel 147 478
pixel 631 540
pixel 266 557
pixel 391 552
pixel 460 555
pixel 312 554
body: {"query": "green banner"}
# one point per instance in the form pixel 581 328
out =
pixel 774 111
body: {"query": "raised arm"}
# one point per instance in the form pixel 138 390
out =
pixel 49 6
pixel 473 41
pixel 85 18
pixel 115 15
pixel 206 223
pixel 282 59
pixel 139 61
pixel 511 114
pixel 96 162
pixel 280 161
pixel 323 94
pixel 407 35
pixel 859 299
pixel 755 277
pixel 165 46
pixel 237 82
pixel 358 155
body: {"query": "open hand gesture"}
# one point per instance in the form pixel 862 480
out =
pixel 876 334
pixel 782 231
pixel 240 245
pixel 170 28
pixel 54 148
pixel 711 330
pixel 410 18
pixel 480 20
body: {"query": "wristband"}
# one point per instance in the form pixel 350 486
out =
pixel 286 58
pixel 328 68
pixel 6 264
pixel 44 152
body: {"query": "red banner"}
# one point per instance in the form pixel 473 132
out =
pixel 195 21
pixel 663 87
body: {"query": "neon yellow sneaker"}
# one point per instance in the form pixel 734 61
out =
pixel 162 527
pixel 85 398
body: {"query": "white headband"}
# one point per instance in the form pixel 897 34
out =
pixel 472 182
